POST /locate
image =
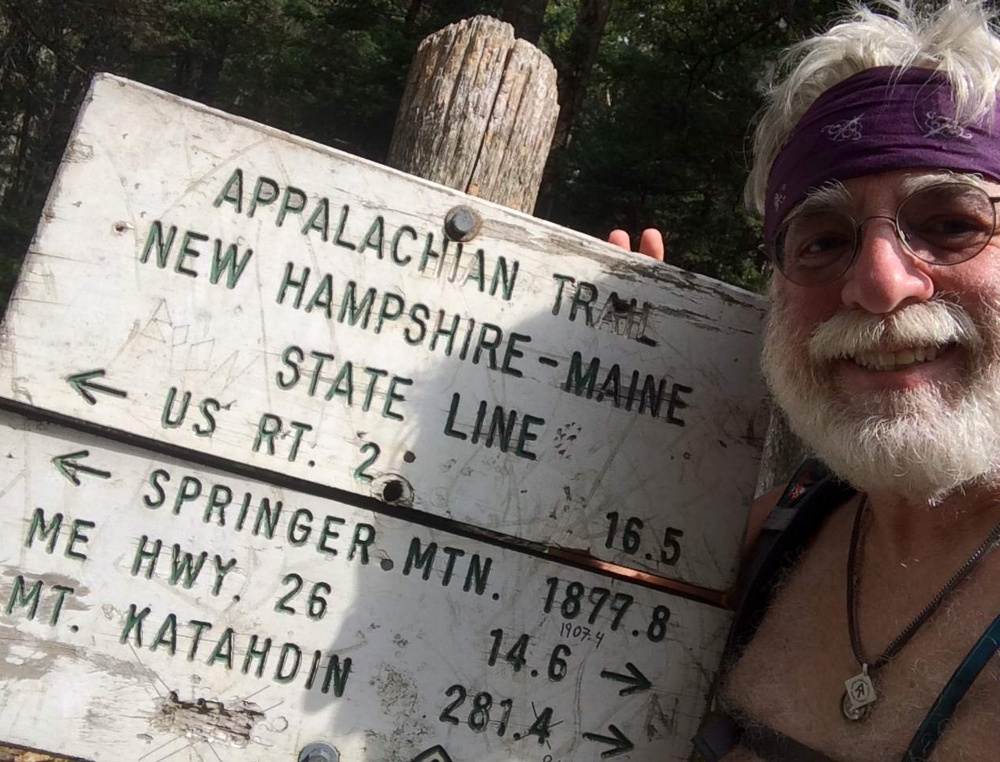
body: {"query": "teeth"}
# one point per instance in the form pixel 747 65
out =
pixel 882 361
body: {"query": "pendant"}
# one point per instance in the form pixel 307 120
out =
pixel 859 696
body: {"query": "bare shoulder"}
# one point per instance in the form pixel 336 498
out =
pixel 759 513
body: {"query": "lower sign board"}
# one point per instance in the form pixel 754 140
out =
pixel 154 609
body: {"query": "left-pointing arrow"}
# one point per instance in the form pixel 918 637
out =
pixel 68 466
pixel 83 383
pixel 620 744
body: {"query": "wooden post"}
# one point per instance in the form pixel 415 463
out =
pixel 782 455
pixel 479 113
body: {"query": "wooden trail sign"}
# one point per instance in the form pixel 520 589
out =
pixel 228 288
pixel 287 438
pixel 156 610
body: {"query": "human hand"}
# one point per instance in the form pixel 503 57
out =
pixel 650 243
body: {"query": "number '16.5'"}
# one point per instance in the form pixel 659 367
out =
pixel 631 538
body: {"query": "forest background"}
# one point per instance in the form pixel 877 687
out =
pixel 657 96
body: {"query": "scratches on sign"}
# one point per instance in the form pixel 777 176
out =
pixel 207 720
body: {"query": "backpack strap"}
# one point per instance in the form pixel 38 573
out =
pixel 927 735
pixel 810 497
pixel 787 529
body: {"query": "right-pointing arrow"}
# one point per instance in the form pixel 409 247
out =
pixel 636 680
pixel 619 743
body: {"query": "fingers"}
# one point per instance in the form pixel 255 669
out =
pixel 621 239
pixel 651 244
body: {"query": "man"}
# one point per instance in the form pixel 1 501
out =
pixel 877 173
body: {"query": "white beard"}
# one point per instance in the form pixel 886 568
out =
pixel 921 444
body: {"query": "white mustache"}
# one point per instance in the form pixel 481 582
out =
pixel 934 323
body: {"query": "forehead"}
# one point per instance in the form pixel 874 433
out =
pixel 886 188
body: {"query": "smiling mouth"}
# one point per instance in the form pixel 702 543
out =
pixel 900 359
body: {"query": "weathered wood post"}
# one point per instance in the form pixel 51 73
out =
pixel 479 113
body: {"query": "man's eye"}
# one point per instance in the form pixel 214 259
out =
pixel 950 226
pixel 824 245
pixel 821 250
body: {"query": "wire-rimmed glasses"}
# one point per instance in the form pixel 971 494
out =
pixel 943 224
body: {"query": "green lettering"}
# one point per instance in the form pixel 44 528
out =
pixel 328 532
pixel 75 536
pixel 292 200
pixel 374 238
pixel 319 220
pixel 232 192
pixel 391 396
pixel 161 496
pixel 226 263
pixel 352 310
pixel 133 621
pixel 345 379
pixel 299 535
pixel 293 364
pixel 298 285
pixel 18 597
pixel 155 238
pixel 576 381
pixel 420 560
pixel 265 192
pixel 500 277
pixel 323 297
pixel 188 252
pixel 38 525
pixel 166 635
pixel 395 244
pixel 223 650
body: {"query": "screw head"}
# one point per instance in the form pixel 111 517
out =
pixel 462 224
pixel 319 752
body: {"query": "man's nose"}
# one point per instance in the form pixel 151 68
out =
pixel 884 275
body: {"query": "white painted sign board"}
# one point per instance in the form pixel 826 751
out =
pixel 143 621
pixel 222 286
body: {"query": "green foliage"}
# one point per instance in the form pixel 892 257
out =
pixel 663 141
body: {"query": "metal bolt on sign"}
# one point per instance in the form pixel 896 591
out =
pixel 319 752
pixel 462 224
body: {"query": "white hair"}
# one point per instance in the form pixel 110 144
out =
pixel 957 39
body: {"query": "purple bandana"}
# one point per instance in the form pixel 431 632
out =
pixel 879 120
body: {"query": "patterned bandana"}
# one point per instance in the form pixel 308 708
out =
pixel 879 120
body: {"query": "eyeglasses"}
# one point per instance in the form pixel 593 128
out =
pixel 944 224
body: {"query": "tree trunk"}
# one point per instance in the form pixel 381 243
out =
pixel 581 54
pixel 410 23
pixel 478 113
pixel 526 16
pixel 14 197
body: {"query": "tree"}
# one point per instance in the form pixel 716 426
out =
pixel 574 65
pixel 662 137
pixel 526 16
